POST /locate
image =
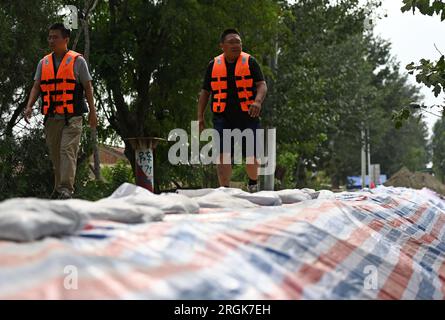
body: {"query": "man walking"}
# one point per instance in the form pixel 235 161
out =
pixel 62 78
pixel 238 89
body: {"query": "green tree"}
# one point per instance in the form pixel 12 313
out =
pixel 25 169
pixel 149 59
pixel 430 73
pixel 321 77
pixel 438 149
pixel 24 162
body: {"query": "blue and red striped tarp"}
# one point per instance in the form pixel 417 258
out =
pixel 387 243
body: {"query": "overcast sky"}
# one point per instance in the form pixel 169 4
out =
pixel 413 37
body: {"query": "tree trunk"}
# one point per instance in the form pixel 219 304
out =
pixel 89 7
pixel 300 174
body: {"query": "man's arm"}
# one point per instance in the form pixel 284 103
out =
pixel 204 95
pixel 35 92
pixel 255 108
pixel 261 88
pixel 202 103
pixel 92 116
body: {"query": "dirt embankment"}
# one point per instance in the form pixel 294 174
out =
pixel 415 180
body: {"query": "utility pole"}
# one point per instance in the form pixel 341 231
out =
pixel 363 152
pixel 268 181
pixel 368 150
pixel 270 148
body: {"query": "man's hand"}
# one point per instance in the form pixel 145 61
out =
pixel 255 109
pixel 27 114
pixel 92 119
pixel 34 94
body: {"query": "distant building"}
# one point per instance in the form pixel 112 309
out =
pixel 110 155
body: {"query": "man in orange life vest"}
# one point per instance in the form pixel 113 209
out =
pixel 238 90
pixel 61 79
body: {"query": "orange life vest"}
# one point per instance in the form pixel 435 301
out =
pixel 59 92
pixel 243 80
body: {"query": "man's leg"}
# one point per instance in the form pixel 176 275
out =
pixel 251 162
pixel 252 173
pixel 224 167
pixel 69 147
pixel 53 135
pixel 252 168
pixel 224 171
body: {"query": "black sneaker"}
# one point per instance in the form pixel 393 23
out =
pixel 252 188
pixel 54 195
pixel 64 194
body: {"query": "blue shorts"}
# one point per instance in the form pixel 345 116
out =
pixel 247 141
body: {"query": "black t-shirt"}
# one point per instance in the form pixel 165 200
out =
pixel 233 113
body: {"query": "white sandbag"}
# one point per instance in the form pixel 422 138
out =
pixel 116 210
pixel 28 219
pixel 176 203
pixel 128 189
pixel 293 195
pixel 311 192
pixel 169 203
pixel 221 199
pixel 326 194
pixel 192 193
pixel 308 190
pixel 31 219
pixel 262 198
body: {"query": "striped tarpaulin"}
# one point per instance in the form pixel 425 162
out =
pixel 387 243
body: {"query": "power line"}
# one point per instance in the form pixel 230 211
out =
pixel 439 116
pixel 423 109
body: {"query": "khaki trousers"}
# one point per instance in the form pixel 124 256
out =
pixel 63 144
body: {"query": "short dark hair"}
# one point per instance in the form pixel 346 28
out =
pixel 60 26
pixel 226 32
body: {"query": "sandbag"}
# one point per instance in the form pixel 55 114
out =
pixel 169 203
pixel 221 199
pixel 31 219
pixel 293 196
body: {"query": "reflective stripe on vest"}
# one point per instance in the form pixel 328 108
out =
pixel 243 80
pixel 58 90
